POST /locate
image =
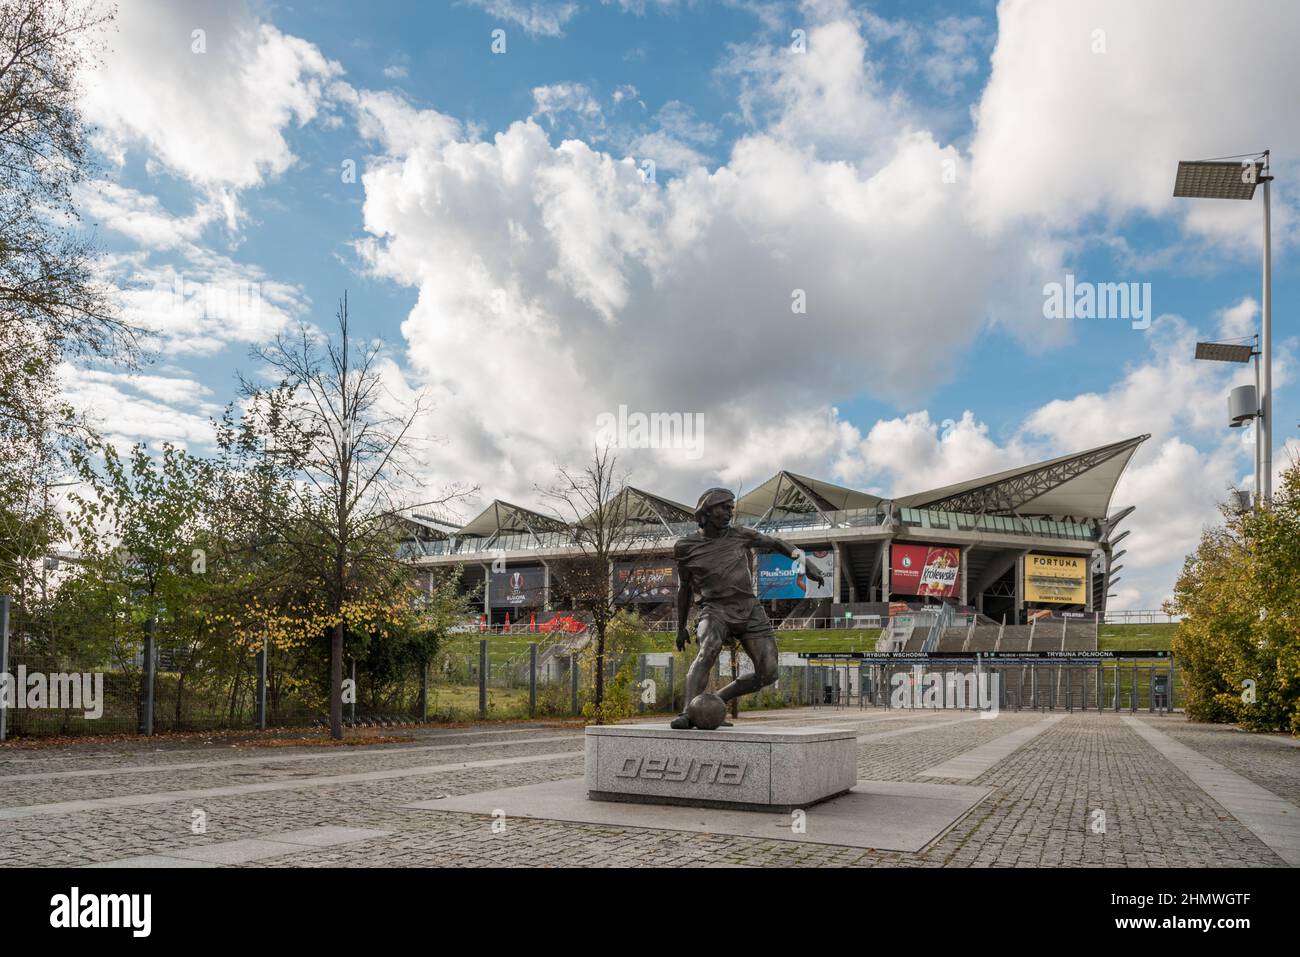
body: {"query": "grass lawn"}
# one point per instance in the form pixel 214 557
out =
pixel 503 649
pixel 1135 637
pixel 828 639
pixel 463 699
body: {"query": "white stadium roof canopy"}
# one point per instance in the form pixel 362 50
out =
pixel 1079 485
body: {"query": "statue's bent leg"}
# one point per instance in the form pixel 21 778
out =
pixel 760 644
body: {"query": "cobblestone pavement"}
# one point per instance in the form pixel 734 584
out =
pixel 1086 791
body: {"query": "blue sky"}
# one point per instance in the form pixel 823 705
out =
pixel 919 171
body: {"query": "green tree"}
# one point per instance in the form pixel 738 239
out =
pixel 139 531
pixel 53 304
pixel 49 290
pixel 1238 645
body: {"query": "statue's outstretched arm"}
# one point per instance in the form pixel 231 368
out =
pixel 685 591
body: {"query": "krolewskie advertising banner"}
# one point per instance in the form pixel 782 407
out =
pixel 926 570
pixel 1056 578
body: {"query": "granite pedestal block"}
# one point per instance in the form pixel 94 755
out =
pixel 763 770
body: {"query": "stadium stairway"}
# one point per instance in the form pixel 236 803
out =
pixel 916 640
pixel 952 639
pixel 1080 637
pixel 1015 638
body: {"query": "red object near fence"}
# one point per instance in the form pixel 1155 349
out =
pixel 563 623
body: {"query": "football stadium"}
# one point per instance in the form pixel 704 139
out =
pixel 970 566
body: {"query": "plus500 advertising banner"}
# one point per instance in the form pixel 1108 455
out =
pixel 929 570
pixel 779 577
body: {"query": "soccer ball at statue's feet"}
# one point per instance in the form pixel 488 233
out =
pixel 707 711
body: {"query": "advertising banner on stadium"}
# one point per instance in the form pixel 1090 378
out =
pixel 779 577
pixel 645 581
pixel 928 570
pixel 518 588
pixel 1060 579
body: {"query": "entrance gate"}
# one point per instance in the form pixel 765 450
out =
pixel 1127 681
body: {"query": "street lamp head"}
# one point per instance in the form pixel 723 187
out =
pixel 1217 179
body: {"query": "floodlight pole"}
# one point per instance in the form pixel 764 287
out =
pixel 1265 432
pixel 1259 444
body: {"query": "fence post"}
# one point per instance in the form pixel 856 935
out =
pixel 482 678
pixel 672 688
pixel 146 722
pixel 260 704
pixel 261 686
pixel 640 682
pixel 573 682
pixel 532 680
pixel 4 667
pixel 424 690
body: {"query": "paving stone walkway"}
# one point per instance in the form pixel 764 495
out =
pixel 1083 789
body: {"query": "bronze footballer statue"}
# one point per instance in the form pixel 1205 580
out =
pixel 713 564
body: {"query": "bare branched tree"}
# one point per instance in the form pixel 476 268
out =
pixel 352 446
pixel 594 504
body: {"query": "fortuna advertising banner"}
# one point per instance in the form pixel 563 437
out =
pixel 779 577
pixel 928 570
pixel 1061 579
pixel 518 588
pixel 648 581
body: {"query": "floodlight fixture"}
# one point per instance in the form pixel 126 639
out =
pixel 1224 352
pixel 1217 179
